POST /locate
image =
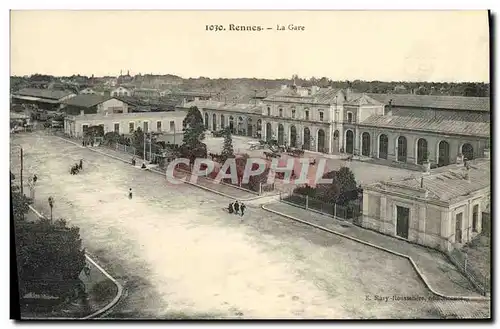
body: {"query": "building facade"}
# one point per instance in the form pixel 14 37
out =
pixel 242 119
pixel 442 210
pixel 121 91
pixel 89 104
pixel 314 118
pixel 146 93
pixel 168 123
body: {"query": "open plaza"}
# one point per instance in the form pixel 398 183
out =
pixel 176 250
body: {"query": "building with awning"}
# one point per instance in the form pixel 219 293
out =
pixel 47 99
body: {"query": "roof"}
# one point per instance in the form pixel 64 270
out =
pixel 437 102
pixel 192 93
pixel 446 184
pixel 362 100
pixel 86 100
pixel 44 93
pixel 129 116
pixel 456 127
pixel 36 99
pixel 325 96
pixel 222 106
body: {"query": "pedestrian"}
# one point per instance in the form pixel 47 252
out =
pixel 143 166
pixel 236 207
pixel 130 193
pixel 230 208
pixel 133 161
pixel 242 208
pixel 34 179
pixel 81 164
pixel 83 142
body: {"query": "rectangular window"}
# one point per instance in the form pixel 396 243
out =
pixel 293 114
pixel 281 112
pixel 117 128
pixel 475 216
pixel 158 125
pixel 172 125
pixel 85 128
pixel 268 111
pixel 307 115
pixel 458 227
pixel 146 126
pixel 321 116
pixel 131 127
pixel 349 117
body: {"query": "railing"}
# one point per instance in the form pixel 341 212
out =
pixel 479 281
pixel 350 212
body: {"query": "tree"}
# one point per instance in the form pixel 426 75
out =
pixel 49 256
pixel 227 149
pixel 192 147
pixel 112 138
pixel 138 141
pixel 193 127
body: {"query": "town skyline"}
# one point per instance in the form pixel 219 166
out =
pixel 366 46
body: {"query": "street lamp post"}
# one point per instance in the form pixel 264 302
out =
pixel 51 204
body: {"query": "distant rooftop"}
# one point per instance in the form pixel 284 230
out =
pixel 86 100
pixel 223 106
pixel 44 93
pixel 481 104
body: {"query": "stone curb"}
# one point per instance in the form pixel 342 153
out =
pixel 119 287
pixel 419 272
pixel 160 173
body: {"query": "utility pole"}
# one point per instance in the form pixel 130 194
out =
pixel 22 190
pixel 144 146
pixel 150 143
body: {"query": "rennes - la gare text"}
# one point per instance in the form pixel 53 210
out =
pixel 233 27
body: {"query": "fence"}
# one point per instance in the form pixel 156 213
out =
pixel 151 157
pixel 479 281
pixel 351 211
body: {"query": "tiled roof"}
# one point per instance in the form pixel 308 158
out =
pixel 222 106
pixel 436 102
pixel 323 96
pixel 360 100
pixel 86 100
pixel 44 93
pixel 192 93
pixel 130 115
pixel 466 128
pixel 450 182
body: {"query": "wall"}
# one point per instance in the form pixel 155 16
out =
pixel 75 124
pixel 412 137
pixel 112 105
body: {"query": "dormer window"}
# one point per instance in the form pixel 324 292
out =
pixel 349 117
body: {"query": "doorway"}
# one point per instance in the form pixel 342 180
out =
pixel 402 221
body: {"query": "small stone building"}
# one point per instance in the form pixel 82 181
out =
pixel 442 209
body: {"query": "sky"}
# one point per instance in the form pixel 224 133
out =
pixel 450 46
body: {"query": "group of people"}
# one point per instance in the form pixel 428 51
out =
pixel 236 208
pixel 134 163
pixel 77 168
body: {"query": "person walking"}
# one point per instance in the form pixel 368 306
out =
pixel 230 208
pixel 130 193
pixel 80 166
pixel 242 208
pixel 35 178
pixel 236 207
